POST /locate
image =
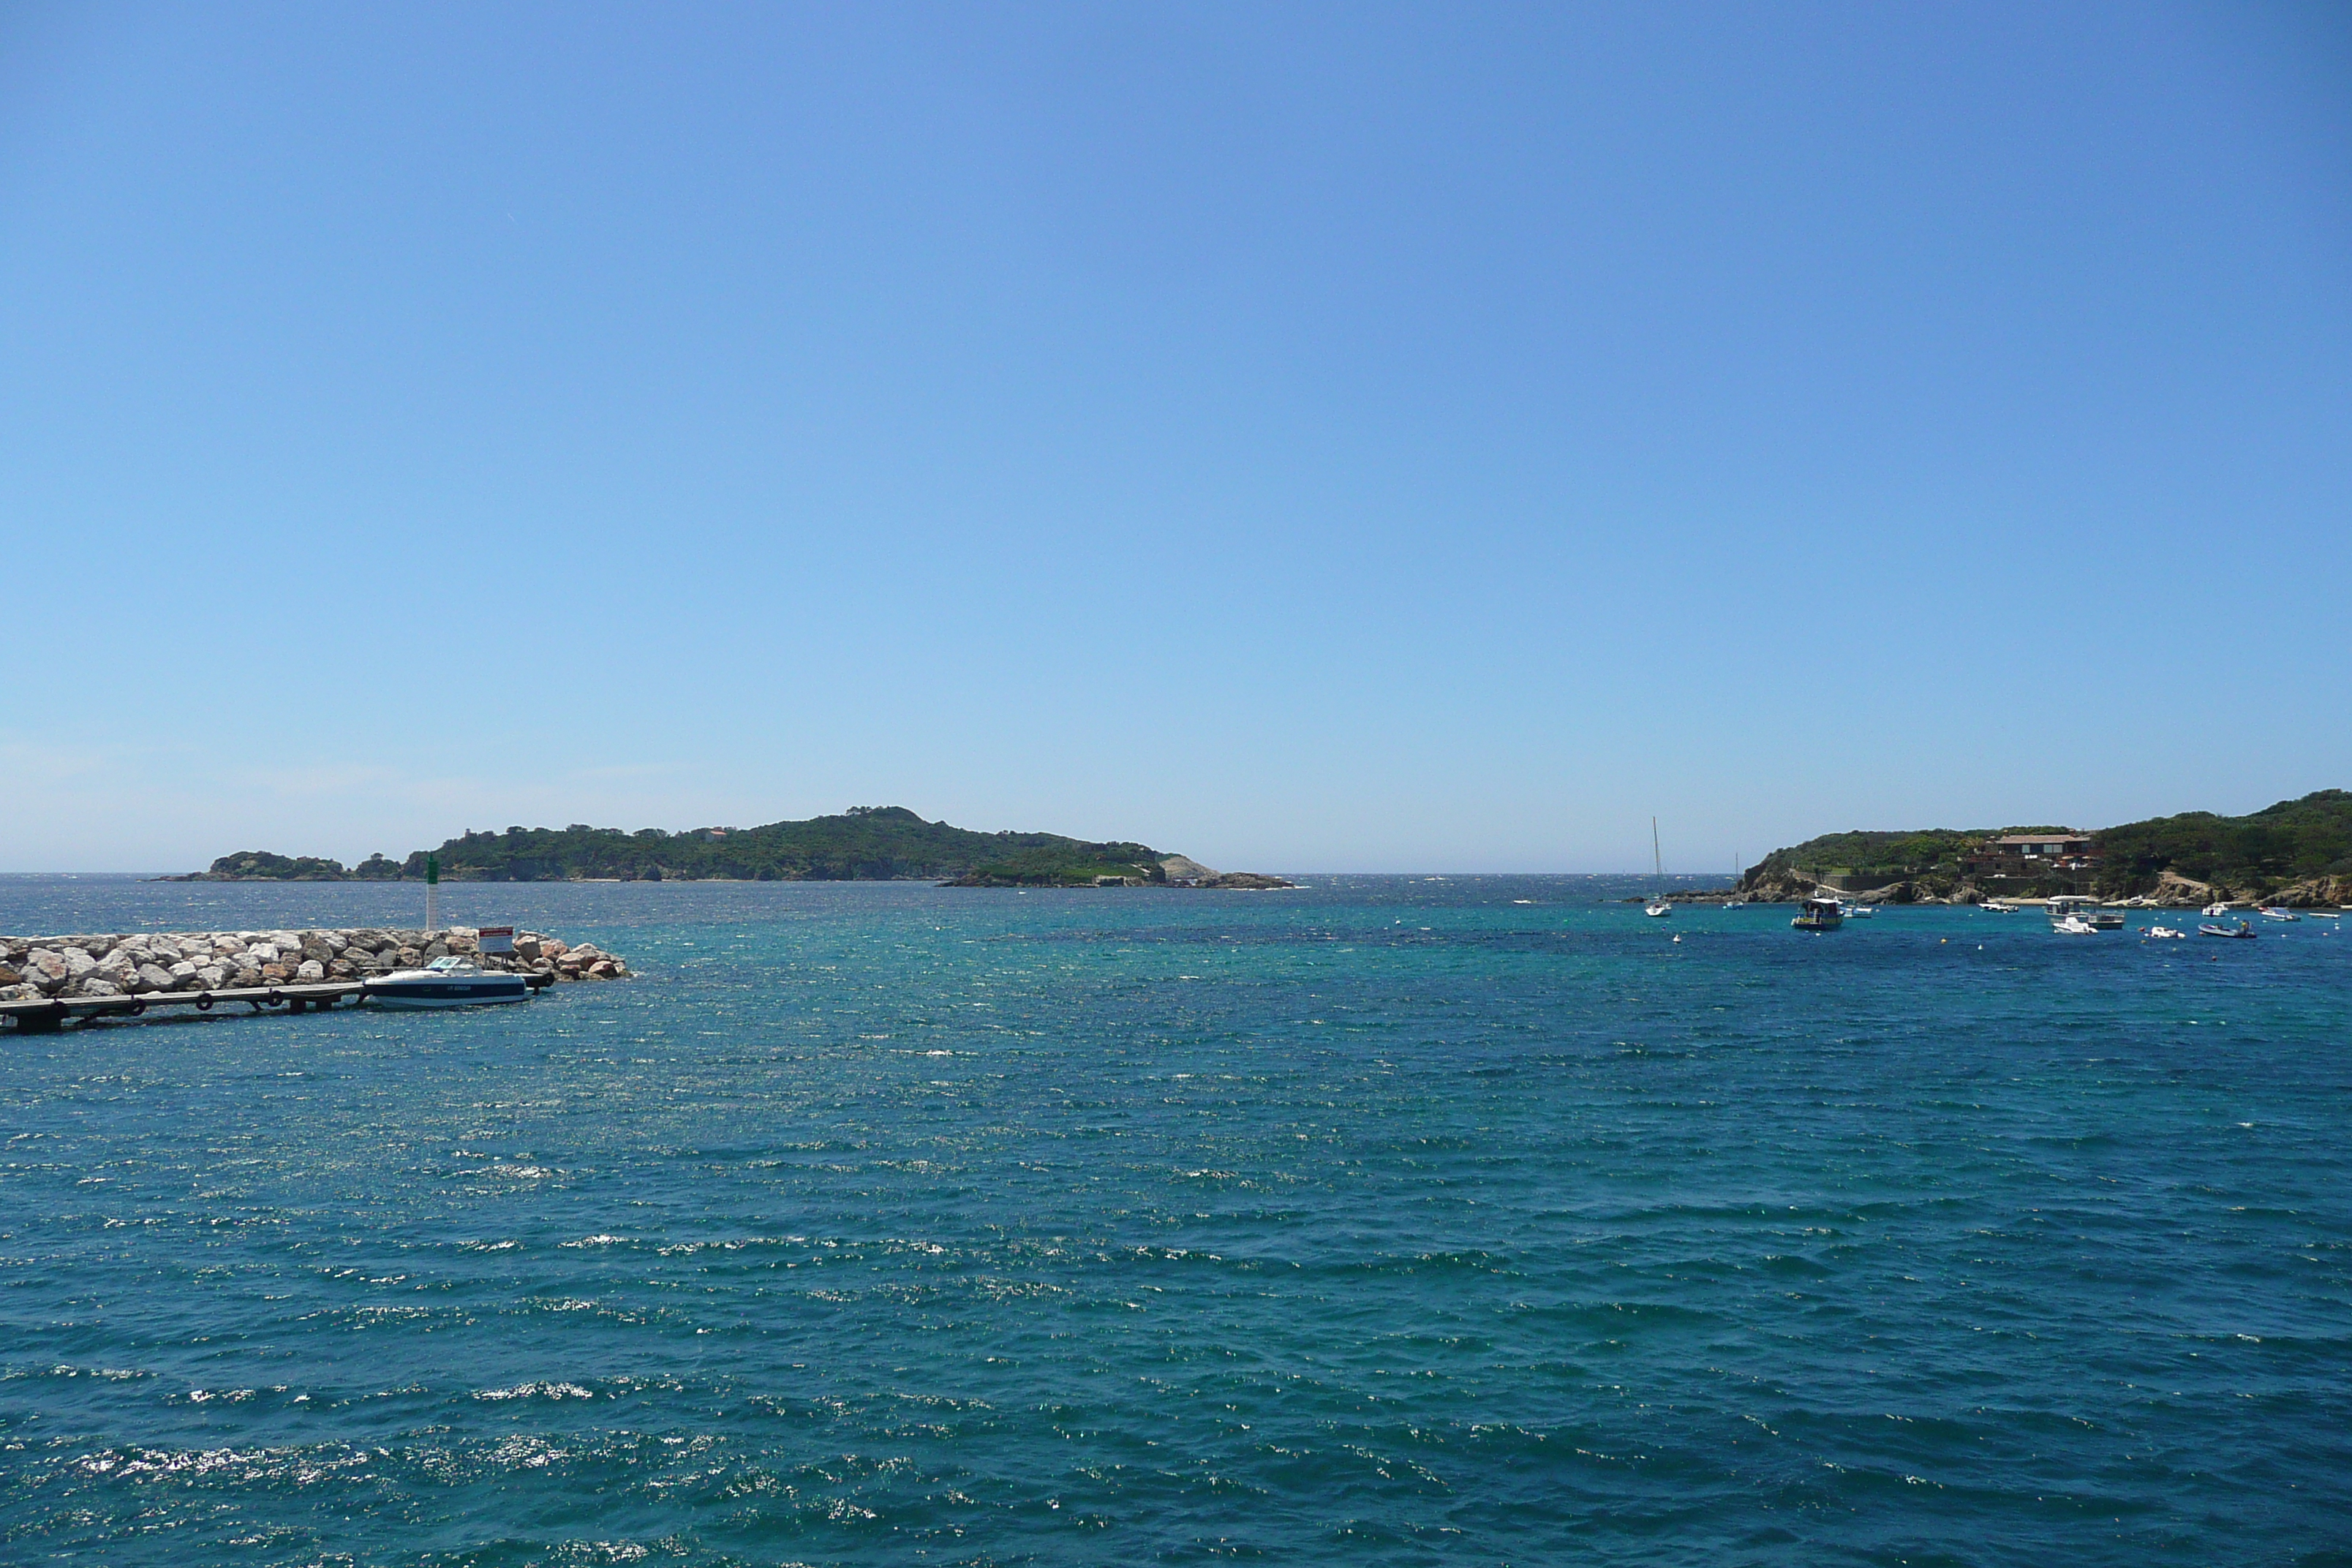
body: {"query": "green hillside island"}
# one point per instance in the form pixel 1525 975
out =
pixel 864 844
pixel 2298 852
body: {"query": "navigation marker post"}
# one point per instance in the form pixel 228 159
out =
pixel 432 894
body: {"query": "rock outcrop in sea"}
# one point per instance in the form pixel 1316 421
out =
pixel 138 964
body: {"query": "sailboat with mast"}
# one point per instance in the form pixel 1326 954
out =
pixel 1658 908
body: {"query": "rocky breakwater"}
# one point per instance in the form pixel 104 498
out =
pixel 136 964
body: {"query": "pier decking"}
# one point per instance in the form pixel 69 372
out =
pixel 50 1015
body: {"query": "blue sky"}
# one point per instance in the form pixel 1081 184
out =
pixel 1315 438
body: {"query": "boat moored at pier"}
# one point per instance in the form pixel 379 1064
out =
pixel 452 981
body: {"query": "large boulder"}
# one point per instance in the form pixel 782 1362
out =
pixel 93 986
pixel 311 971
pixel 151 977
pixel 45 969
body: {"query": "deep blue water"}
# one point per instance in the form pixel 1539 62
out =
pixel 1390 1221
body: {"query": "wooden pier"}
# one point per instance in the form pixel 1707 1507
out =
pixel 47 1017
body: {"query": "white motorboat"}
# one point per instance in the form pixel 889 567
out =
pixel 2067 906
pixel 2165 934
pixel 1998 906
pixel 2280 912
pixel 2074 925
pixel 1854 911
pixel 452 981
pixel 2215 910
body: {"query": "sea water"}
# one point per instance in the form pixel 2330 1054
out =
pixel 1391 1220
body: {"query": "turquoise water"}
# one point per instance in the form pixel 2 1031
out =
pixel 1390 1221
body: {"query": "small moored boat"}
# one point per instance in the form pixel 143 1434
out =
pixel 452 981
pixel 1819 914
pixel 1658 908
pixel 2243 930
pixel 2165 934
pixel 2074 925
pixel 2280 912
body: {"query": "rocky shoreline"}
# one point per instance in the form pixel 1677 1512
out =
pixel 2172 891
pixel 144 964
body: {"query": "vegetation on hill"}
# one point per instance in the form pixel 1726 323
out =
pixel 259 865
pixel 2292 842
pixel 865 844
pixel 1913 853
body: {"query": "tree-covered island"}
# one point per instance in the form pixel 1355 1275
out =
pixel 884 843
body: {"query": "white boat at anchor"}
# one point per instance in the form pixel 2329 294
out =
pixel 452 981
pixel 2165 934
pixel 1658 908
pixel 2073 925
pixel 2067 906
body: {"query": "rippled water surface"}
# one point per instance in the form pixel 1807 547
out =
pixel 1390 1221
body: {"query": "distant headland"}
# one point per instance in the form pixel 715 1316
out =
pixel 864 844
pixel 2297 853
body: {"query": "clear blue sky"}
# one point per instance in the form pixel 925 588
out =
pixel 1316 437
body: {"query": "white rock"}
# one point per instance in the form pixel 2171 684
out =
pixel 45 969
pixel 311 970
pixel 261 952
pixel 94 986
pixel 152 978
pixel 213 976
pixel 78 962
